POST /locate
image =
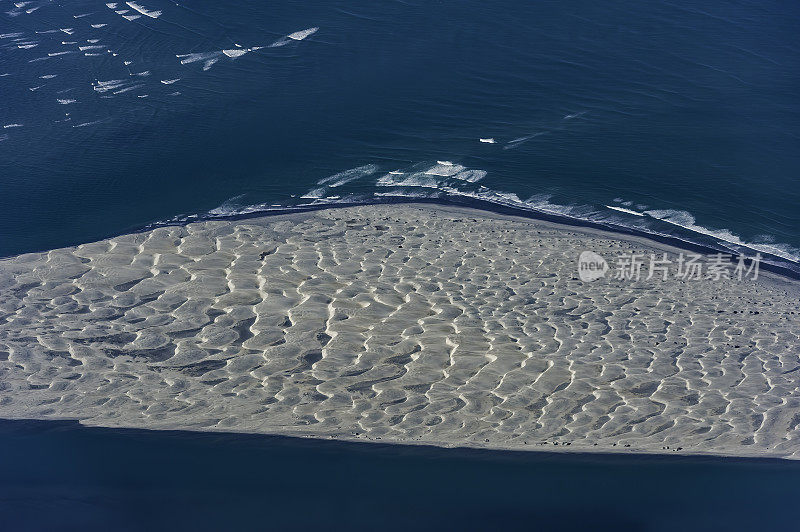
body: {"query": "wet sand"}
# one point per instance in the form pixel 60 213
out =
pixel 404 324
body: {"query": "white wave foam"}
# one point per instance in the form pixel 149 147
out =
pixel 84 124
pixel 511 144
pixel 686 220
pixel 416 179
pixel 126 89
pixel 317 193
pixel 10 35
pixel 8 126
pixel 296 36
pixel 96 26
pixel 143 10
pixel 347 176
pixel 209 58
pixel 229 206
pixel 110 85
pixel 169 81
pixel 444 169
pixel 623 209
pixel 302 34
pixel 471 176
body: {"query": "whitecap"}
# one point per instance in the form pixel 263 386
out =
pixel 315 194
pixel 444 169
pixel 686 220
pixel 623 209
pixel 126 89
pixel 347 176
pixel 471 176
pixel 296 36
pixel 143 10
pixel 84 124
pixel 302 34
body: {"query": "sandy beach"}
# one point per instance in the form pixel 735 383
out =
pixel 404 324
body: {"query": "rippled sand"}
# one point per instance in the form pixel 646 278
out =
pixel 409 324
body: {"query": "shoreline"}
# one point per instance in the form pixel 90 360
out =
pixel 780 266
pixel 323 333
pixel 488 207
pixel 588 454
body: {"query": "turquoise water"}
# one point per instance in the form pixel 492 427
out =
pixel 685 112
pixel 63 476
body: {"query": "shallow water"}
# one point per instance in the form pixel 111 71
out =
pixel 59 475
pixel 684 112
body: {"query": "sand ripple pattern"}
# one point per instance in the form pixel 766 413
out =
pixel 404 324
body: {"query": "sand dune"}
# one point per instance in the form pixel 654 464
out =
pixel 408 324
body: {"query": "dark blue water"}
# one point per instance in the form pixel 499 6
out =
pixel 683 111
pixel 60 476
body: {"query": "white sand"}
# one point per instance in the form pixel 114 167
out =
pixel 408 324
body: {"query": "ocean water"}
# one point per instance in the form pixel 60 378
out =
pixel 59 475
pixel 675 117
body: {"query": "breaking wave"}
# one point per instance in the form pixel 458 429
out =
pixel 448 182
